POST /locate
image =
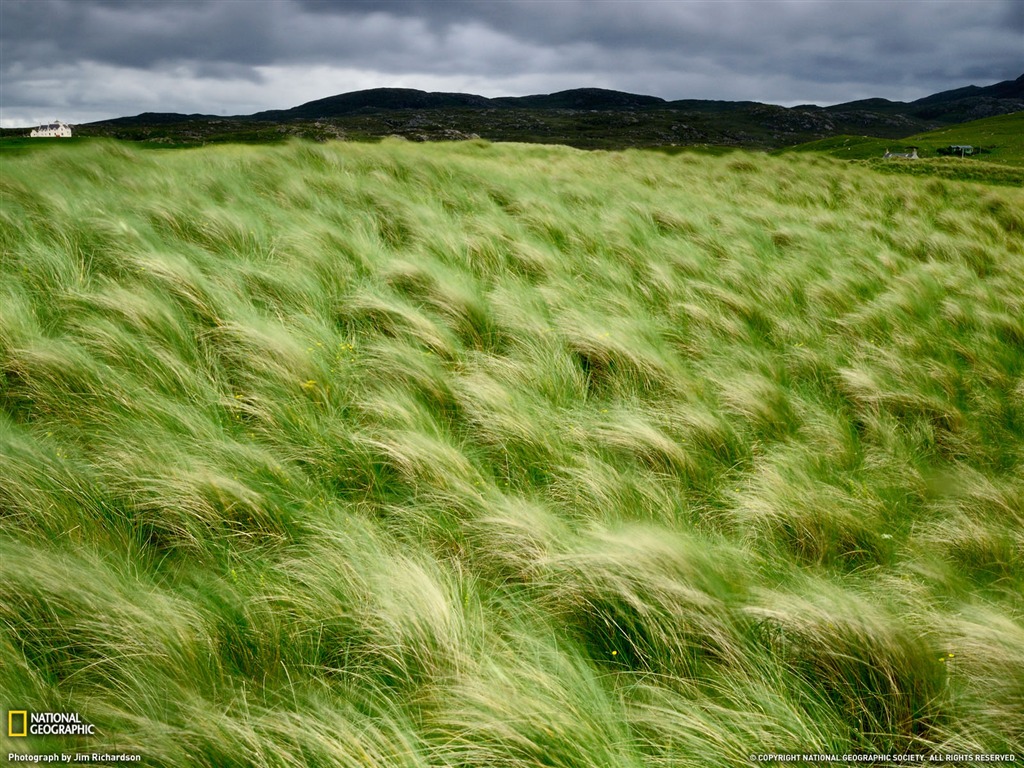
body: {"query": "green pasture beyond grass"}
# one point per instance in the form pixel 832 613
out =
pixel 503 456
pixel 1000 139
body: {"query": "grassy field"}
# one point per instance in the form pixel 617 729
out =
pixel 497 456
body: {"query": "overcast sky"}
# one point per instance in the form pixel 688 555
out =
pixel 85 60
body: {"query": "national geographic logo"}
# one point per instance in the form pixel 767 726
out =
pixel 17 722
pixel 21 722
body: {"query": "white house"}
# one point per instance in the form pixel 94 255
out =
pixel 54 129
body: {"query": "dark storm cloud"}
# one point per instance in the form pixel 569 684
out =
pixel 119 54
pixel 134 34
pixel 771 30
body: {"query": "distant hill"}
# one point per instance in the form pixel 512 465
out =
pixel 591 118
pixel 388 99
pixel 583 98
pixel 1007 89
pixel 945 106
pixel 954 106
pixel 156 118
pixel 375 100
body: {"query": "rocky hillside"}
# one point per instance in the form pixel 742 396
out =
pixel 591 118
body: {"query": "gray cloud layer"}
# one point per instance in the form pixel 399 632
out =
pixel 88 59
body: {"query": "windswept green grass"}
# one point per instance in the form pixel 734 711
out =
pixel 496 456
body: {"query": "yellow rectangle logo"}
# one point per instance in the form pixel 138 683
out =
pixel 12 714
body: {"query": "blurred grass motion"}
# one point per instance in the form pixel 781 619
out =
pixel 506 455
